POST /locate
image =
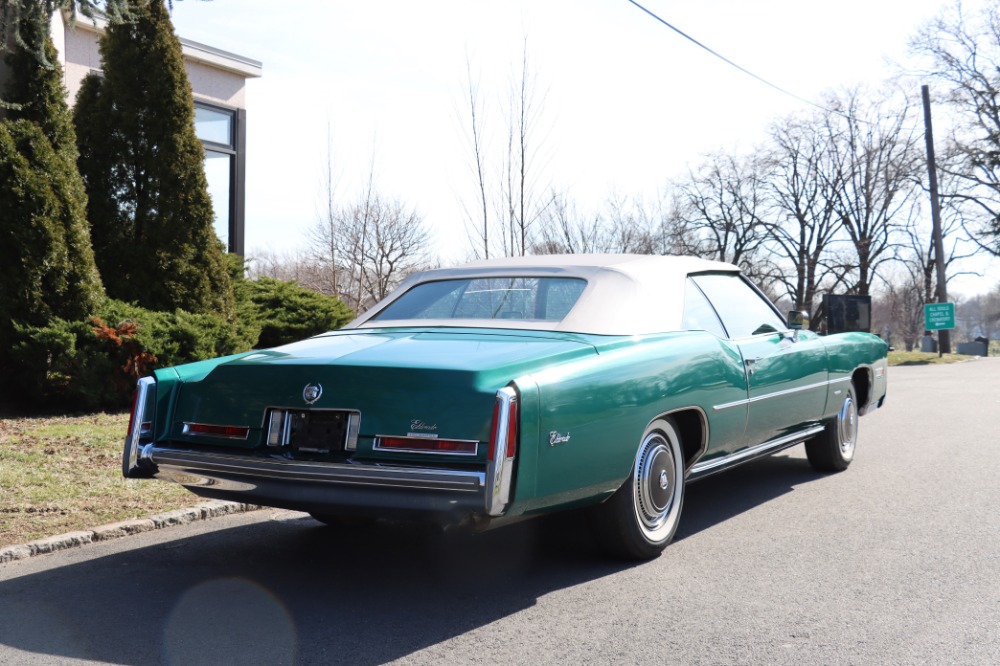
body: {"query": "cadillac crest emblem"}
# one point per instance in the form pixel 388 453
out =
pixel 312 392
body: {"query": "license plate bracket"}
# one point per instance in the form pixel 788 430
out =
pixel 318 431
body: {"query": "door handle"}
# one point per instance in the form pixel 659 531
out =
pixel 749 363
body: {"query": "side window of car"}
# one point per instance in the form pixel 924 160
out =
pixel 744 312
pixel 699 315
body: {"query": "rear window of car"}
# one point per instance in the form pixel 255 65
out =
pixel 512 298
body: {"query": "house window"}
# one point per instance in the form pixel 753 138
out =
pixel 223 134
pixel 218 171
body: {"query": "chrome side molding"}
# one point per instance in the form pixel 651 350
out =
pixel 708 467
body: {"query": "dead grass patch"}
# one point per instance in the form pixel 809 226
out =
pixel 61 474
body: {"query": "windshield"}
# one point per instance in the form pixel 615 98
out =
pixel 519 298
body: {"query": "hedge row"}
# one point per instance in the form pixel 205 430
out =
pixel 71 365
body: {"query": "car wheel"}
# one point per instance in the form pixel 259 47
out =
pixel 833 449
pixel 640 519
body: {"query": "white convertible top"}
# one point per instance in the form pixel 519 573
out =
pixel 626 294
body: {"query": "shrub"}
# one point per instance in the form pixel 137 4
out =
pixel 286 312
pixel 94 363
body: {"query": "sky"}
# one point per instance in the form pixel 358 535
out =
pixel 381 87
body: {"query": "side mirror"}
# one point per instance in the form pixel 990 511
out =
pixel 797 320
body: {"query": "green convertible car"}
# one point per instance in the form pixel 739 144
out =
pixel 498 390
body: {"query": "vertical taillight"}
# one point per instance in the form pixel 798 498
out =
pixel 504 431
pixel 494 431
pixel 512 429
pixel 140 424
pixel 503 449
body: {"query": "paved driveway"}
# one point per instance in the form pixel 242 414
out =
pixel 893 562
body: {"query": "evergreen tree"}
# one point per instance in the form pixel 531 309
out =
pixel 95 159
pixel 47 265
pixel 46 268
pixel 25 23
pixel 143 166
pixel 38 91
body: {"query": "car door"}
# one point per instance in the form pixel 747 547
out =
pixel 786 372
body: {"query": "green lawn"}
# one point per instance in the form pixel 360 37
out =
pixel 63 474
pixel 924 358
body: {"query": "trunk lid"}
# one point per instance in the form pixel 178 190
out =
pixel 402 382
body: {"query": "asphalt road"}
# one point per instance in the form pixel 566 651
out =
pixel 896 561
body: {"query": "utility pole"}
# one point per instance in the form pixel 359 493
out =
pixel 944 335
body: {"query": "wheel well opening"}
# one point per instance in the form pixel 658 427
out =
pixel 692 432
pixel 862 386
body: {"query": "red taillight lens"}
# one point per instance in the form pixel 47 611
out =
pixel 495 431
pixel 509 429
pixel 428 444
pixel 512 429
pixel 131 416
pixel 229 432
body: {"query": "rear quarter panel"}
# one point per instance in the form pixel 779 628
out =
pixel 583 421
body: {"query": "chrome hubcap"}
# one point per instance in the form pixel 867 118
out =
pixel 655 470
pixel 847 427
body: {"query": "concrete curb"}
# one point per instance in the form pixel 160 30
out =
pixel 203 511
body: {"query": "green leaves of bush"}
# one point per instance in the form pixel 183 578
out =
pixel 286 312
pixel 94 363
pixel 90 364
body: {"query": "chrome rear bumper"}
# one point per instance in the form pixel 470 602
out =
pixel 317 486
pixel 362 486
pixel 195 463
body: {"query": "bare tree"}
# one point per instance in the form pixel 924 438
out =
pixel 963 53
pixel 525 110
pixel 381 241
pixel 359 249
pixel 563 230
pixel 899 310
pixel 980 315
pixel 802 197
pixel 874 152
pixel 919 247
pixel 298 266
pixel 625 225
pixel 509 199
pixel 322 237
pixel 479 218
pixel 723 202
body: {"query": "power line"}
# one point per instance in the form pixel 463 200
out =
pixel 733 64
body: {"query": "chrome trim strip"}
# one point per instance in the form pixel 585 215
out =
pixel 274 434
pixel 130 460
pixel 729 405
pixel 376 446
pixel 772 446
pixel 353 428
pixel 778 394
pixel 500 470
pixel 352 474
